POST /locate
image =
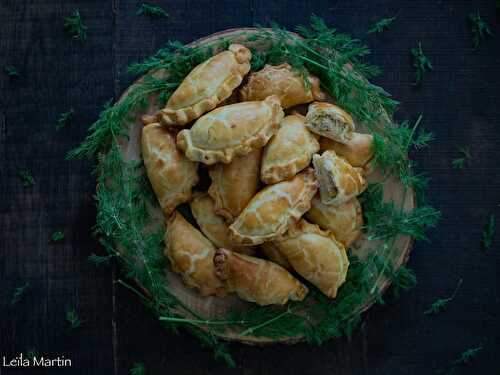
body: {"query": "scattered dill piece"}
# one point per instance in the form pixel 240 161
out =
pixel 32 353
pixel 381 26
pixel 57 237
pixel 74 27
pixel 480 29
pixel 11 71
pixel 421 63
pixel 488 232
pixel 138 368
pixel 99 259
pixel 467 355
pixel 19 293
pixel 65 119
pixel 73 319
pixel 440 304
pixel 26 177
pixel 459 163
pixel 153 11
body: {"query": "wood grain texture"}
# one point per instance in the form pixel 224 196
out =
pixel 459 102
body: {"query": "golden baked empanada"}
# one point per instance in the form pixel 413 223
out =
pixel 338 180
pixel 257 280
pixel 191 255
pixel 283 81
pixel 171 174
pixel 230 131
pixel 289 151
pixel 274 208
pixel 234 184
pixel 272 253
pixel 316 255
pixel 212 225
pixel 330 121
pixel 345 220
pixel 206 85
pixel 358 151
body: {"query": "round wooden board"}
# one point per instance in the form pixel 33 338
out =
pixel 217 307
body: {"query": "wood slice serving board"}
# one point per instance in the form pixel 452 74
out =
pixel 217 307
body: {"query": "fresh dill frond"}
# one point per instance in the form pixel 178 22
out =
pixel 441 304
pixel 152 11
pixel 57 237
pixel 99 259
pixel 480 29
pixel 32 353
pixel 464 152
pixel 73 319
pixel 421 63
pixel 138 368
pixel 467 355
pixel 381 26
pixel 74 26
pixel 11 71
pixel 488 232
pixel 65 119
pixel 19 293
pixel 26 177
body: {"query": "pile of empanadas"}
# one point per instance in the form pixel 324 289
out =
pixel 282 203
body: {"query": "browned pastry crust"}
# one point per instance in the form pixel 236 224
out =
pixel 358 151
pixel 171 174
pixel 330 121
pixel 285 82
pixel 272 252
pixel 257 280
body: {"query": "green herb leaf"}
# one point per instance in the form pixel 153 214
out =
pixel 459 163
pixel 488 232
pixel 153 11
pixel 99 259
pixel 32 353
pixel 65 119
pixel 421 63
pixel 480 29
pixel 467 355
pixel 26 177
pixel 73 319
pixel 11 71
pixel 381 26
pixel 441 304
pixel 74 27
pixel 19 293
pixel 138 369
pixel 57 237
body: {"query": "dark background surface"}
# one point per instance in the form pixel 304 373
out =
pixel 460 102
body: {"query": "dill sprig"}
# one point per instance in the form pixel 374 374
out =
pixel 74 26
pixel 421 63
pixel 152 11
pixel 20 292
pixel 65 119
pixel 138 368
pixel 488 232
pixel 381 26
pixel 480 29
pixel 11 71
pixel 32 353
pixel 99 259
pixel 57 237
pixel 464 152
pixel 441 304
pixel 73 319
pixel 464 358
pixel 26 177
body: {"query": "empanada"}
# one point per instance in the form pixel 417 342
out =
pixel 338 180
pixel 191 256
pixel 206 85
pixel 358 151
pixel 257 280
pixel 345 220
pixel 272 253
pixel 283 81
pixel 274 209
pixel 316 255
pixel 232 130
pixel 330 121
pixel 171 174
pixel 234 184
pixel 212 225
pixel 289 151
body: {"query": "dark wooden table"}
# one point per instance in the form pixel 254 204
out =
pixel 460 102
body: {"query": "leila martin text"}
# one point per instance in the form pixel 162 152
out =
pixel 36 361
